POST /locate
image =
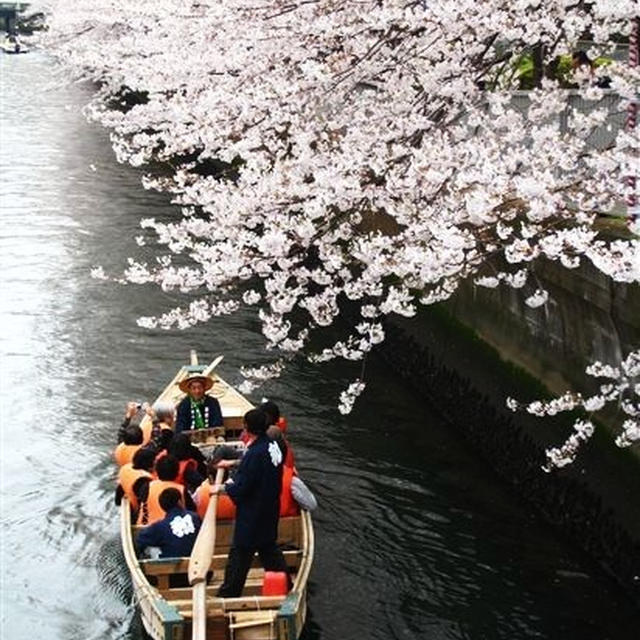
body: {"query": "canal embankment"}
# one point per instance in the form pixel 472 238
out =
pixel 468 355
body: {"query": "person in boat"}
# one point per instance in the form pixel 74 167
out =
pixel 133 476
pixel 158 433
pixel 197 410
pixel 176 533
pixel 255 490
pixel 167 470
pixel 295 494
pixel 225 508
pixel 277 428
pixel 134 412
pixel 192 466
pixel 131 443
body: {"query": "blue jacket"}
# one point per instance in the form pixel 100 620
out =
pixel 175 534
pixel 184 419
pixel 255 491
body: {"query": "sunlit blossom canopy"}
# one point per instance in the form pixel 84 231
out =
pixel 366 155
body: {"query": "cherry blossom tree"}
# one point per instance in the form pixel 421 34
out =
pixel 364 155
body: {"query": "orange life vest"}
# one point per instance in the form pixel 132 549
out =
pixel 288 506
pixel 124 453
pixel 147 426
pixel 151 511
pixel 183 465
pixel 225 509
pixel 289 459
pixel 127 477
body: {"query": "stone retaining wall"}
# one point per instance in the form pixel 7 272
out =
pixel 587 318
pixel 594 502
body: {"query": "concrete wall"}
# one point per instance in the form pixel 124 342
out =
pixel 467 356
pixel 587 318
pixel 593 502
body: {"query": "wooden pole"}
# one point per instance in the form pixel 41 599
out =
pixel 199 563
pixel 213 365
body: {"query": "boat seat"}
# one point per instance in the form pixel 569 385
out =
pixel 181 565
pixel 223 605
pixel 289 534
pixel 252 587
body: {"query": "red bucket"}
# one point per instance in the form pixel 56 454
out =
pixel 274 583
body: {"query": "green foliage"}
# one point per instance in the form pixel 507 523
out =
pixel 560 68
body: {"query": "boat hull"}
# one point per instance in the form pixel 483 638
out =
pixel 161 589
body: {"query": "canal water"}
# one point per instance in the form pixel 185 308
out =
pixel 416 539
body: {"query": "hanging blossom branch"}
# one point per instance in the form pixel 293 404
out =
pixel 327 155
pixel 256 376
pixel 622 388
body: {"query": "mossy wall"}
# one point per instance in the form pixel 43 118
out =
pixel 460 357
pixel 587 318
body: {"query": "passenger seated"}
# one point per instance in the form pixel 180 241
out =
pixel 133 476
pixel 158 432
pixel 132 441
pixel 197 410
pixel 134 413
pixel 166 469
pixel 174 534
pixel 191 462
pixel 225 508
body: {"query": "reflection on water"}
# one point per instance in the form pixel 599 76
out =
pixel 415 539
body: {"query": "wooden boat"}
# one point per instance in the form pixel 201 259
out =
pixel 166 611
pixel 13 48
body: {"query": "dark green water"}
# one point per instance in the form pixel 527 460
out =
pixel 415 537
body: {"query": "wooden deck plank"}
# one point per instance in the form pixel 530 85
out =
pixel 218 562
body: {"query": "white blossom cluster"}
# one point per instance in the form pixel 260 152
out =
pixel 370 152
pixel 256 376
pixel 349 396
pixel 566 454
pixel 622 387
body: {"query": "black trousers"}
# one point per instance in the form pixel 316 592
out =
pixel 239 562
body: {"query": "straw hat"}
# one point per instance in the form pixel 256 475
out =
pixel 206 381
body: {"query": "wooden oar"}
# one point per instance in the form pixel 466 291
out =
pixel 199 564
pixel 213 365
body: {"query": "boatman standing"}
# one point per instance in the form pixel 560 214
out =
pixel 255 490
pixel 197 410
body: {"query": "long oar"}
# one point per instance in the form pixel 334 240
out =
pixel 199 564
pixel 213 365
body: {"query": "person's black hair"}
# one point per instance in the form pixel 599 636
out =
pixel 223 452
pixel 144 459
pixel 166 438
pixel 167 468
pixel 133 435
pixel 180 446
pixel 256 421
pixel 271 410
pixel 169 499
